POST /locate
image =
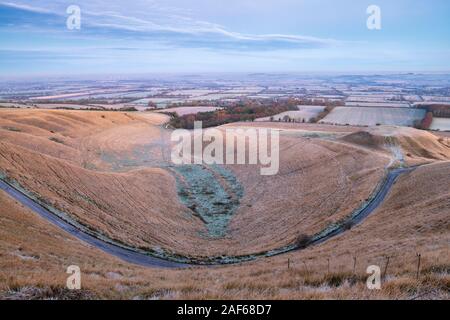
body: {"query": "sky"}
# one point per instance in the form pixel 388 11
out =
pixel 187 36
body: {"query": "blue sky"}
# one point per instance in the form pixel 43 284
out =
pixel 169 36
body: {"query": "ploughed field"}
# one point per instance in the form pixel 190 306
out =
pixel 372 116
pixel 304 114
pixel 440 124
pixel 109 173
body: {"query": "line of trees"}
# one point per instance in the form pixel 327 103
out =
pixel 425 123
pixel 242 111
pixel 249 110
pixel 323 114
pixel 438 110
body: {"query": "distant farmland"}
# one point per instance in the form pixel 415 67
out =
pixel 182 111
pixel 377 104
pixel 304 113
pixel 366 116
pixel 441 124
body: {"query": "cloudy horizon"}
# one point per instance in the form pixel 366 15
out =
pixel 170 36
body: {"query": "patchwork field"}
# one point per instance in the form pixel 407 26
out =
pixel 370 116
pixel 440 124
pixel 376 104
pixel 304 114
pixel 109 174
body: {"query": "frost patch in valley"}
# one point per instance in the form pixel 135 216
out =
pixel 212 193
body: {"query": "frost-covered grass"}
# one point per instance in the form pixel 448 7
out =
pixel 440 124
pixel 304 113
pixel 202 192
pixel 366 116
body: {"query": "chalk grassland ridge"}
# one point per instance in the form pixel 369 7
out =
pixel 163 258
pixel 131 206
pixel 61 173
pixel 35 256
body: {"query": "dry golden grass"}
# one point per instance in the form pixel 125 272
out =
pixel 320 181
pixel 81 136
pixel 417 146
pixel 35 255
pixel 128 207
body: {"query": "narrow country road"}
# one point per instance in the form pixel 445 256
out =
pixel 146 260
pixel 122 253
pixel 376 202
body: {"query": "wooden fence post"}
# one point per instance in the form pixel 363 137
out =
pixel 418 265
pixel 354 264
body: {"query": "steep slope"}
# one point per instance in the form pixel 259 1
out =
pixel 411 145
pixel 35 256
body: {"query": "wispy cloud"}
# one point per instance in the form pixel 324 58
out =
pixel 166 25
pixel 25 7
pixel 220 35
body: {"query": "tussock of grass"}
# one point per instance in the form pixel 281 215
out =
pixel 47 293
pixel 13 129
pixel 56 140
